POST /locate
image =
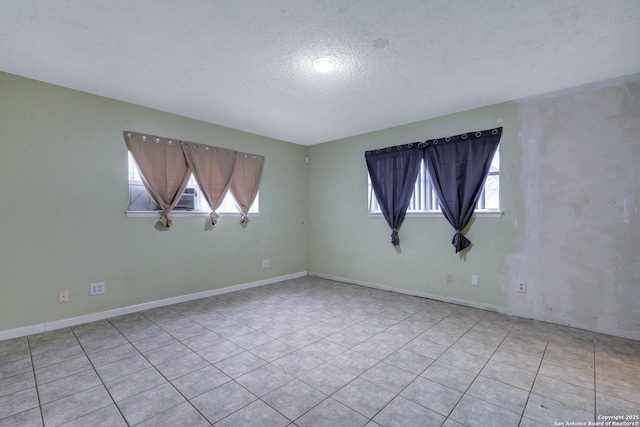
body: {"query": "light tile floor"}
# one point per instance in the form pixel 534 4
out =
pixel 312 352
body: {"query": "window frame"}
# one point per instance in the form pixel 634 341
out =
pixel 423 185
pixel 204 210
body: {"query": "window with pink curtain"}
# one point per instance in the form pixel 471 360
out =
pixel 165 166
pixel 163 169
pixel 212 168
pixel 245 182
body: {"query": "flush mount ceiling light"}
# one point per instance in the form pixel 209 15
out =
pixel 324 64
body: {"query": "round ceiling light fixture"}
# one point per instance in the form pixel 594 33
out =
pixel 324 64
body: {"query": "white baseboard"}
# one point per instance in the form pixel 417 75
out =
pixel 21 332
pixel 473 304
pixel 502 310
pixel 73 321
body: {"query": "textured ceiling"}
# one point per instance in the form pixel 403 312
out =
pixel 247 64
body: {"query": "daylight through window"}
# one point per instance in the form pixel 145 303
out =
pixel 191 200
pixel 424 199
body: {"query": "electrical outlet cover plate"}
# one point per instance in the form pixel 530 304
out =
pixel 63 296
pixel 522 287
pixel 96 288
pixel 265 263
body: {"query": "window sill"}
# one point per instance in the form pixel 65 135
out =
pixel 185 214
pixel 476 214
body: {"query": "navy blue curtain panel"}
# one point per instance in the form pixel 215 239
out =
pixel 393 172
pixel 458 166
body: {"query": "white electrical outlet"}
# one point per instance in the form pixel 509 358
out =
pixel 522 286
pixel 474 280
pixel 63 296
pixel 290 260
pixel 449 277
pixel 96 288
pixel 265 263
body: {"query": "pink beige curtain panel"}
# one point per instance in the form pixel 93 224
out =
pixel 212 167
pixel 245 182
pixel 165 165
pixel 163 169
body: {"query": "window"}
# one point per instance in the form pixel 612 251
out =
pixel 191 200
pixel 424 199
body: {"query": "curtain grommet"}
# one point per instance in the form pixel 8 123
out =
pixel 129 135
pixel 464 136
pixel 494 132
pixel 478 134
pixel 144 137
pixel 447 139
pixel 389 150
pixel 377 151
pixel 409 145
pixel 399 147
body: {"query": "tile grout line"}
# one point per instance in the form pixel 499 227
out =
pixel 160 373
pixel 595 382
pixel 329 396
pixel 424 370
pixel 35 381
pixel 534 382
pixel 213 365
pixel 98 375
pixel 267 363
pixel 478 374
pixel 404 388
pixel 360 316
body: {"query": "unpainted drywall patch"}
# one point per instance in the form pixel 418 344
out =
pixel 581 225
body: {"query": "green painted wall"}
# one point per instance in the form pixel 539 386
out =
pixel 346 243
pixel 570 192
pixel 63 193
